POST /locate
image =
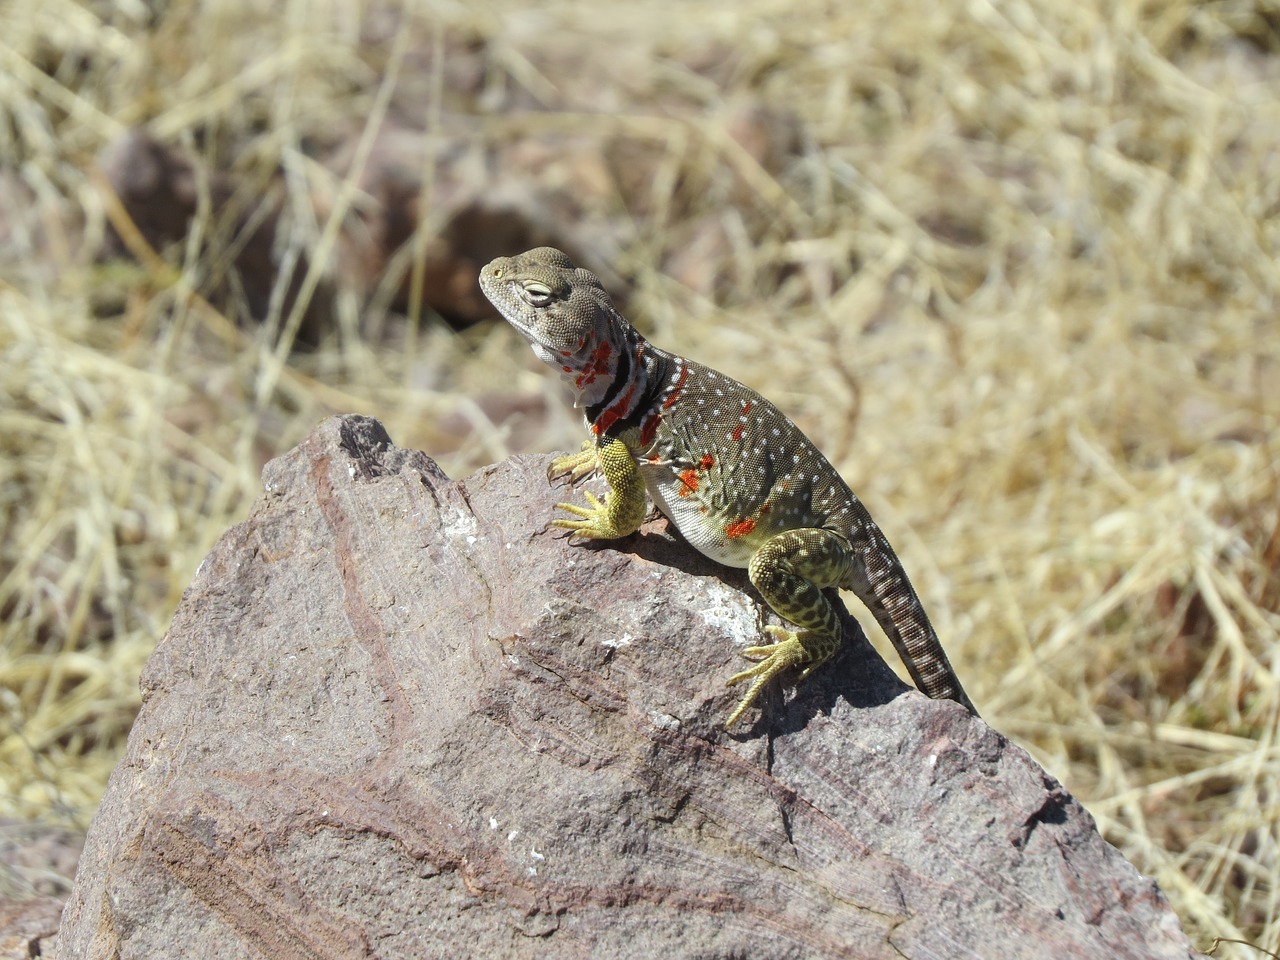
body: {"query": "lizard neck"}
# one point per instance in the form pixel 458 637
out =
pixel 648 381
pixel 615 384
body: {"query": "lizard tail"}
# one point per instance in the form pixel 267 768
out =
pixel 882 585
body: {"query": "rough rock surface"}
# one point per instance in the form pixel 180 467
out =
pixel 396 717
pixel 37 862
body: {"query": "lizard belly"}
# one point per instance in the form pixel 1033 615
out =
pixel 730 540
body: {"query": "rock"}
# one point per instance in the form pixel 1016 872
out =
pixel 484 200
pixel 396 717
pixel 37 862
pixel 27 924
pixel 159 186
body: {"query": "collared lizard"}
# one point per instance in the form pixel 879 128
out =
pixel 735 476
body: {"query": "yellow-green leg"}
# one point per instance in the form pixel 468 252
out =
pixel 790 571
pixel 623 508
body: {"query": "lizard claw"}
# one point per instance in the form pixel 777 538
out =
pixel 577 465
pixel 788 652
pixel 595 523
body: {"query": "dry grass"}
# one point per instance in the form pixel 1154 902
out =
pixel 1032 245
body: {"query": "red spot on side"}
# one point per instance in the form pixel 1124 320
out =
pixel 676 390
pixel 737 433
pixel 746 407
pixel 690 480
pixel 707 462
pixel 739 529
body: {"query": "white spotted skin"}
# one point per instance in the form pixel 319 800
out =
pixel 731 471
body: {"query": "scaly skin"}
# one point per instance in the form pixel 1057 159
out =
pixel 737 478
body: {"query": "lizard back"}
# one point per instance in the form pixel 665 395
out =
pixel 730 470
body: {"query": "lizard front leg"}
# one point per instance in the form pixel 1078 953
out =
pixel 790 571
pixel 623 508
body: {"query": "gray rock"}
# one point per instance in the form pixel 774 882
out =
pixel 396 717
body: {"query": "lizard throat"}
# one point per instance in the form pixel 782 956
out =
pixel 612 409
pixel 638 402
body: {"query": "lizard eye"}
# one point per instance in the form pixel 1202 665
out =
pixel 538 294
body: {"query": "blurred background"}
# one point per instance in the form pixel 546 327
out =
pixel 1010 263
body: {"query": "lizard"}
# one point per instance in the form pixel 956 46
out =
pixel 734 475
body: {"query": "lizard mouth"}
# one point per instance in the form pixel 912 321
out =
pixel 500 290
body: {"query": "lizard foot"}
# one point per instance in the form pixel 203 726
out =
pixel 596 524
pixel 622 511
pixel 790 651
pixel 577 465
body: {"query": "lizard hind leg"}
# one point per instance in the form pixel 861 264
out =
pixel 791 570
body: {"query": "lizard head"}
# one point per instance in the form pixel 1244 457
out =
pixel 565 314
